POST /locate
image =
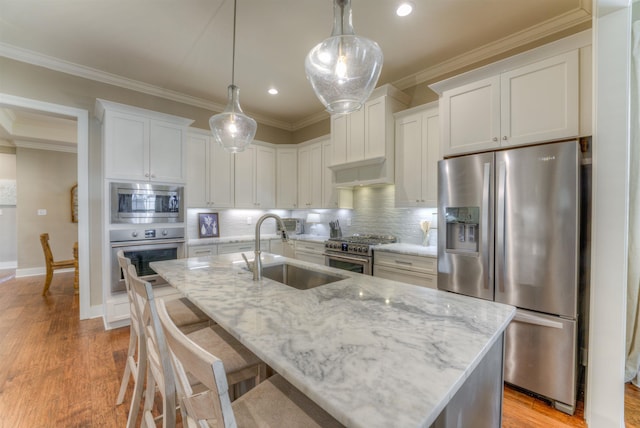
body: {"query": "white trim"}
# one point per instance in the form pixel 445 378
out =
pixel 82 123
pixel 47 145
pixel 9 265
pixel 38 271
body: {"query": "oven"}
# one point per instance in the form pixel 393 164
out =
pixel 139 203
pixel 352 263
pixel 354 253
pixel 143 246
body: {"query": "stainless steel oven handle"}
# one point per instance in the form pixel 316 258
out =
pixel 146 242
pixel 347 258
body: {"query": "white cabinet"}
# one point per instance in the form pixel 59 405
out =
pixel 412 269
pixel 255 177
pixel 417 155
pixel 142 145
pixel 287 178
pixel 310 251
pixel 310 176
pixel 332 197
pixel 363 141
pixel 533 103
pixel 203 250
pixel 242 247
pixel 210 175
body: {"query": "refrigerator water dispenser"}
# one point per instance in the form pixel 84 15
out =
pixel 462 229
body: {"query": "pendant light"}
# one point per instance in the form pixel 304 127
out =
pixel 344 69
pixel 232 129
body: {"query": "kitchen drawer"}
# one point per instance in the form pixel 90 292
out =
pixel 309 247
pixel 403 275
pixel 277 246
pixel 240 247
pixel 203 250
pixel 420 264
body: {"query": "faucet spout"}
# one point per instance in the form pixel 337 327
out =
pixel 257 262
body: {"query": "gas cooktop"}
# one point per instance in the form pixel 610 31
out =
pixel 357 244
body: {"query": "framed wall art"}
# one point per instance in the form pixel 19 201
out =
pixel 208 226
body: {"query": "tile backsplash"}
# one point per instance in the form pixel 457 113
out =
pixel 374 212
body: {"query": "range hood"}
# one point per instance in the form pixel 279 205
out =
pixel 363 142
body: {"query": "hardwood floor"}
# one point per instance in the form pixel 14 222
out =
pixel 57 371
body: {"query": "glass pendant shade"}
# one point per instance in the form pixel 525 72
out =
pixel 344 69
pixel 232 129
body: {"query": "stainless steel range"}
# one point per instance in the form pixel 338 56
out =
pixel 354 253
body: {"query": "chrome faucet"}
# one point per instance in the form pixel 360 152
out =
pixel 257 263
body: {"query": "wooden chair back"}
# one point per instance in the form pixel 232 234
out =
pixel 159 371
pixel 124 263
pixel 189 359
pixel 51 264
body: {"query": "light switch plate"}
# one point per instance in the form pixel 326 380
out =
pixel 42 211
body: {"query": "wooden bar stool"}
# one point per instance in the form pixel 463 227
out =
pixel 51 264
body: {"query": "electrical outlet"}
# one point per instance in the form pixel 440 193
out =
pixel 42 211
pixel 348 221
pixel 249 219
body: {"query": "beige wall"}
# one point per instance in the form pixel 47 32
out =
pixel 44 181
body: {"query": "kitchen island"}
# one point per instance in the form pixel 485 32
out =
pixel 371 352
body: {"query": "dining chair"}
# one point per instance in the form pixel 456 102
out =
pixel 186 316
pixel 51 264
pixel 241 364
pixel 272 403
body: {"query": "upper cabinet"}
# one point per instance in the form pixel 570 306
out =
pixel 537 96
pixel 363 141
pixel 417 156
pixel 332 196
pixel 535 103
pixel 287 178
pixel 255 177
pixel 142 145
pixel 210 175
pixel 310 176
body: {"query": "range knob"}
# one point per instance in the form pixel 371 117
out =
pixel 134 234
pixel 165 232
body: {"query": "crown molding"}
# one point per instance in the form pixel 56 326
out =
pixel 575 17
pixel 51 63
pixel 46 145
pixel 570 19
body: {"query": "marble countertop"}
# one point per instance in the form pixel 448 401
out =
pixel 196 242
pixel 411 249
pixel 372 352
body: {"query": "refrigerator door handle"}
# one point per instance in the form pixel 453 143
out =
pixel 484 232
pixel 532 319
pixel 500 226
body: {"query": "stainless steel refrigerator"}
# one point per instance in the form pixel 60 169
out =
pixel 510 224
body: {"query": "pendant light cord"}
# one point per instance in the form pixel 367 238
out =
pixel 233 55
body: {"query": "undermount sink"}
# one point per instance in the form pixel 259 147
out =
pixel 299 277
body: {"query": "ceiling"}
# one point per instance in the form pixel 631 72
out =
pixel 182 50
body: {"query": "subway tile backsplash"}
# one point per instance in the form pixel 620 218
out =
pixel 373 213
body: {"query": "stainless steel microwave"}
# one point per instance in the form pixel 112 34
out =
pixel 140 203
pixel 294 226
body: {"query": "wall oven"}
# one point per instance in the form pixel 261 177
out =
pixel 143 246
pixel 140 203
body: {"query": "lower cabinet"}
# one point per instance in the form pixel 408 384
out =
pixel 117 308
pixel 277 246
pixel 312 252
pixel 203 251
pixel 416 270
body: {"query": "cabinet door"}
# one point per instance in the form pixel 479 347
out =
pixel 304 177
pixel 220 176
pixel 245 178
pixel 265 186
pixel 375 128
pixel 310 176
pixel 540 102
pixel 329 192
pixel 126 146
pixel 196 188
pixel 166 152
pixel 431 156
pixel 339 138
pixel 471 117
pixel 409 160
pixel 287 188
pixel 356 139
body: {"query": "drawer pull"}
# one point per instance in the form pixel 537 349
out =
pixel 402 262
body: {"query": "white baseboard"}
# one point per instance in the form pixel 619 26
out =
pixel 9 265
pixel 20 273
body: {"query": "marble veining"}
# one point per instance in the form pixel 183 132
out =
pixel 196 242
pixel 372 352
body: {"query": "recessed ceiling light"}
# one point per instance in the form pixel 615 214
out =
pixel 404 9
pixel 273 91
